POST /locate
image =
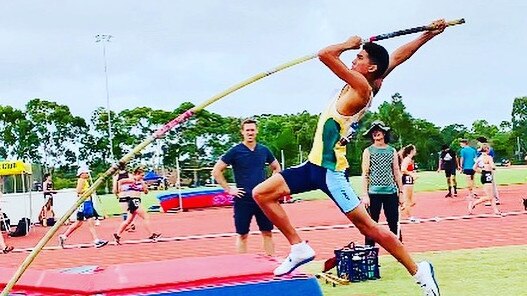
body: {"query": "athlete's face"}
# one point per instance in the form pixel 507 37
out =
pixel 249 132
pixel 362 63
pixel 139 176
pixel 377 135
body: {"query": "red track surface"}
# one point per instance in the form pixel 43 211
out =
pixel 429 236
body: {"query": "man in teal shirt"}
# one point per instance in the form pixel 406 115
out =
pixel 467 157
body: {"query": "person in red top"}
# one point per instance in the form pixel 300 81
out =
pixel 409 176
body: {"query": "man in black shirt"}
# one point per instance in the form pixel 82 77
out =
pixel 448 162
pixel 248 160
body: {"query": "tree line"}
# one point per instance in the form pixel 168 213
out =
pixel 49 134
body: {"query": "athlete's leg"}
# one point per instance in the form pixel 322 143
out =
pixel 409 202
pixel 391 211
pixel 375 212
pixel 146 219
pixel 265 226
pixel 268 243
pixel 359 217
pixel 72 228
pixel 267 195
pixel 130 217
pixel 91 226
pixel 242 221
pixel 454 181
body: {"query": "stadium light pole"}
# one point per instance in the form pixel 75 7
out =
pixel 103 38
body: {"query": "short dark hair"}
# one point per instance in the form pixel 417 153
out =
pixel 463 141
pixel 46 175
pixel 379 56
pixel 248 121
pixel 482 139
pixel 444 147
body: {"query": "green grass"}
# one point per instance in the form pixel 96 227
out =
pixel 487 271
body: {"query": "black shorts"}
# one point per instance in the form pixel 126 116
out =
pixel 450 171
pixel 469 172
pixel 133 204
pixel 243 213
pixel 309 176
pixel 408 180
pixel 486 177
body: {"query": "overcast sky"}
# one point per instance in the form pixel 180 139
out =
pixel 168 52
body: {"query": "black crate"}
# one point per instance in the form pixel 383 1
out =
pixel 358 263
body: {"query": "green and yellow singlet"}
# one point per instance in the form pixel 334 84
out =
pixel 332 126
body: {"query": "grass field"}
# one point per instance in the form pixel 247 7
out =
pixel 476 272
pixel 427 181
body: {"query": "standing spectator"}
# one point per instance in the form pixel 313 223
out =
pixel 408 178
pixel 495 192
pixel 449 163
pixel 248 160
pixel 381 178
pixel 485 165
pixel 466 162
pixel 47 209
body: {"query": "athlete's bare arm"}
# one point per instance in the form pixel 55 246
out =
pixel 217 174
pixel 275 167
pixel 403 53
pixel 80 186
pixel 365 176
pixel 330 56
pixel 397 174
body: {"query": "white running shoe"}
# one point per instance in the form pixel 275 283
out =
pixel 99 243
pixel 301 253
pixel 97 222
pixel 425 278
pixel 414 220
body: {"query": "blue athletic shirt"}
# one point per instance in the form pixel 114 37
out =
pixel 469 155
pixel 248 166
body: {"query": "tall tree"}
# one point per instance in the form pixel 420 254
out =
pixel 18 135
pixel 454 132
pixel 59 132
pixel 519 124
pixel 394 114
